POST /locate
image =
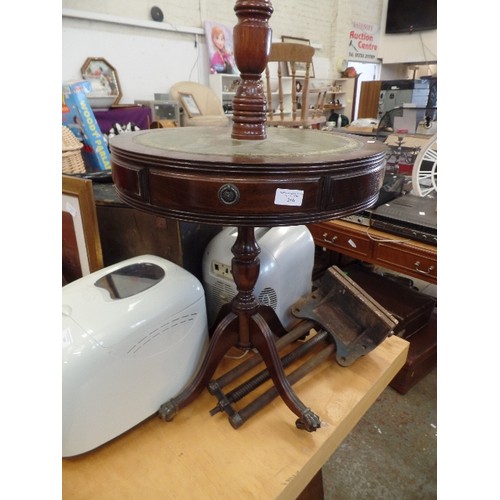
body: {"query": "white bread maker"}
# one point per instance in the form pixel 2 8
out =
pixel 133 336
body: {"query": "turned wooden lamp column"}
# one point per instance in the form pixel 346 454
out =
pixel 252 43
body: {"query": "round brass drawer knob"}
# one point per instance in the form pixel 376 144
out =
pixel 229 194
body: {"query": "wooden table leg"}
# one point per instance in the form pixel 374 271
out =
pixel 225 336
pixel 263 340
pixel 245 327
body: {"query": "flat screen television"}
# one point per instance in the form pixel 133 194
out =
pixel 407 16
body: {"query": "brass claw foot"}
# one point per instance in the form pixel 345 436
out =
pixel 308 421
pixel 168 410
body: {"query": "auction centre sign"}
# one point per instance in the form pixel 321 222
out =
pixel 363 41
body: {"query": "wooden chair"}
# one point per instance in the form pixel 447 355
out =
pixel 298 104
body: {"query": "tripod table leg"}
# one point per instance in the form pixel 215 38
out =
pixel 225 336
pixel 262 338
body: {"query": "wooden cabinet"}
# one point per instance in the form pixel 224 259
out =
pixel 416 261
pixel 370 245
pixel 341 239
pixel 126 232
pixel 369 99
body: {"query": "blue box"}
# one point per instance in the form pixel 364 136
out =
pixel 78 116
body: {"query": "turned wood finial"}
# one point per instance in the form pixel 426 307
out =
pixel 252 43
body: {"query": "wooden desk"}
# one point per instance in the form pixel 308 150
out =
pixel 397 253
pixel 199 456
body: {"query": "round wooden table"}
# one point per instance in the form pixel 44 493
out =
pixel 202 175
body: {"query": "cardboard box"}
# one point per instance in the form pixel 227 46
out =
pixel 367 130
pixel 78 116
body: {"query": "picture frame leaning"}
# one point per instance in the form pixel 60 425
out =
pixel 81 243
pixel 300 69
pixel 189 104
pixel 97 68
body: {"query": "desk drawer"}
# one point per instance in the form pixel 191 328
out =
pixel 409 260
pixel 340 240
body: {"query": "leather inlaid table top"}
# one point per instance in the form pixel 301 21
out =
pixel 201 174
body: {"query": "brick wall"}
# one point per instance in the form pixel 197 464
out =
pixel 314 20
pixel 151 60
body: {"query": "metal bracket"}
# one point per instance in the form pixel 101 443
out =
pixel 353 318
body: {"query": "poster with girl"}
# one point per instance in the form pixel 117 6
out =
pixel 220 48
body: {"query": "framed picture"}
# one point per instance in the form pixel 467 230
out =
pixel 189 104
pixel 97 68
pixel 300 68
pixel 292 39
pixel 81 243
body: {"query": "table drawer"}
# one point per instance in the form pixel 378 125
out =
pixel 409 260
pixel 341 241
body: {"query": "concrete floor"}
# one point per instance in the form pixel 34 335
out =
pixel 392 452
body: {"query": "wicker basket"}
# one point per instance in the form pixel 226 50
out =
pixel 72 161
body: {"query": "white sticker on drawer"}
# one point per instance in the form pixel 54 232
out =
pixel 351 243
pixel 290 197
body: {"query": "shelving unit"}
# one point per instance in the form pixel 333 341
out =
pixel 336 97
pixel 341 98
pixel 343 89
pixel 225 86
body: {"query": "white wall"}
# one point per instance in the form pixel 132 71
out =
pixel 419 47
pixel 149 60
pixel 146 61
